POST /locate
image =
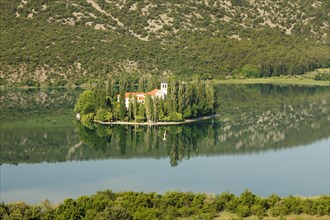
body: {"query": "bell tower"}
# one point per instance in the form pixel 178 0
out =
pixel 163 89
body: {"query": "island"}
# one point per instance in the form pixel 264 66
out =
pixel 176 102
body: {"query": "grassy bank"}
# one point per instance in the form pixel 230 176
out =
pixel 173 205
pixel 277 81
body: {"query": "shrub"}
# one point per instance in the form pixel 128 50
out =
pixel 247 198
pixel 272 200
pixel 222 200
pixel 103 115
pixel 243 210
pixel 114 213
pixel 258 210
pixel 175 116
pixel 292 205
pixel 85 103
pixel 232 205
pixel 250 71
pixel 325 76
pixel 309 207
pixel 86 120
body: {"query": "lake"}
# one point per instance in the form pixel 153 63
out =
pixel 268 139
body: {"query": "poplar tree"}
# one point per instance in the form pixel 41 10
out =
pixel 200 99
pixel 122 107
pixel 187 112
pixel 148 106
pixel 135 107
pixel 180 98
pixel 130 107
pixel 155 109
pixel 141 85
pixel 160 109
pixel 142 111
pixel 99 96
pixel 210 101
pixel 175 96
pixel 111 88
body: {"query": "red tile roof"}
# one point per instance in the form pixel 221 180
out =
pixel 153 92
pixel 128 94
pixel 141 95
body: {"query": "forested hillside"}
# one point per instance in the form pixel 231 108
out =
pixel 73 41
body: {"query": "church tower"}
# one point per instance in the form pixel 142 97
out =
pixel 163 89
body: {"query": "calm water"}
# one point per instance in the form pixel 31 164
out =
pixel 269 139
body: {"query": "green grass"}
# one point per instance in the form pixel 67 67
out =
pixel 277 81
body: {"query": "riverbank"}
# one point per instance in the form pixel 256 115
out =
pixel 276 81
pixel 172 205
pixel 294 80
pixel 204 118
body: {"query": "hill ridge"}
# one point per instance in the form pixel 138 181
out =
pixel 78 40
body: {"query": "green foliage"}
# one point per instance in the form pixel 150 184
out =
pixel 223 200
pixel 103 115
pixel 171 205
pixel 184 100
pixel 87 119
pixel 86 103
pixel 250 71
pixel 175 116
pixel 114 213
pixel 25 116
pixel 325 75
pixel 288 38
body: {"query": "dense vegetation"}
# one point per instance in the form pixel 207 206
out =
pixel 171 205
pixel 37 105
pixel 81 40
pixel 183 100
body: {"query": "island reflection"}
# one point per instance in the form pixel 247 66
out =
pixel 254 118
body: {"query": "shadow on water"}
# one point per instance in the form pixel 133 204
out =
pixel 39 126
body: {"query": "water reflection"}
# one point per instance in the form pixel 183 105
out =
pixel 38 126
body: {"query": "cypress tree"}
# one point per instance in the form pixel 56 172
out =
pixel 149 107
pixel 130 107
pixel 155 109
pixel 135 107
pixel 122 107
pixel 181 97
pixel 142 111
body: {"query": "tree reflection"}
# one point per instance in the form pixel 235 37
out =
pixel 254 118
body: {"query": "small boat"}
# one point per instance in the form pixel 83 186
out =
pixel 78 116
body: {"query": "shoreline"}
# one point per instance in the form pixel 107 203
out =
pixel 275 81
pixel 204 118
pixel 293 80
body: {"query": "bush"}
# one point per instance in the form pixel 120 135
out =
pixel 114 213
pixel 103 115
pixel 175 116
pixel 232 205
pixel 250 71
pixel 292 205
pixel 87 120
pixel 272 200
pixel 243 210
pixel 222 200
pixel 324 76
pixel 171 205
pixel 247 198
pixel 278 210
pixel 85 103
pixel 258 210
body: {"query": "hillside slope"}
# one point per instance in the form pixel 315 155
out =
pixel 55 42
